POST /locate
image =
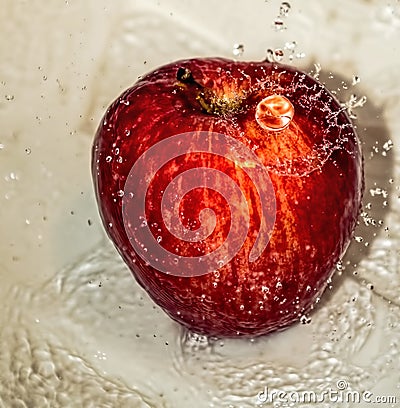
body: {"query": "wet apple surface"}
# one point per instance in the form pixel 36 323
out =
pixel 231 190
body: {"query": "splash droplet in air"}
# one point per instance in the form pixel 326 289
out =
pixel 238 50
pixel 275 112
pixel 284 9
pixel 356 80
pixel 278 55
pixel 279 24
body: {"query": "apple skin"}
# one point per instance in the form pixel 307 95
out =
pixel 315 166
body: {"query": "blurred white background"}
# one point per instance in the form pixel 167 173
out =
pixel 75 331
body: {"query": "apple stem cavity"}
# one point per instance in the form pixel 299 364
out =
pixel 207 98
pixel 275 112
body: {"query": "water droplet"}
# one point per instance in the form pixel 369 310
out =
pixel 317 70
pixel 195 342
pixel 279 24
pixel 284 9
pixel 356 80
pixel 387 146
pixel 108 159
pixel 270 55
pixel 352 103
pixel 9 97
pixel 274 112
pixel 305 319
pixel 120 193
pixel 159 239
pixel 238 50
pixel 290 45
pixel 359 239
pixel 143 224
pixel 278 54
pixel 11 177
pixel 378 192
pixel 28 150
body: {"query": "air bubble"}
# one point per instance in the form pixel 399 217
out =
pixel 108 159
pixel 120 193
pixel 356 80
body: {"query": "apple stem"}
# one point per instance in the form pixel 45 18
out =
pixel 185 76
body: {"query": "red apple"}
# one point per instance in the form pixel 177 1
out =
pixel 231 190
